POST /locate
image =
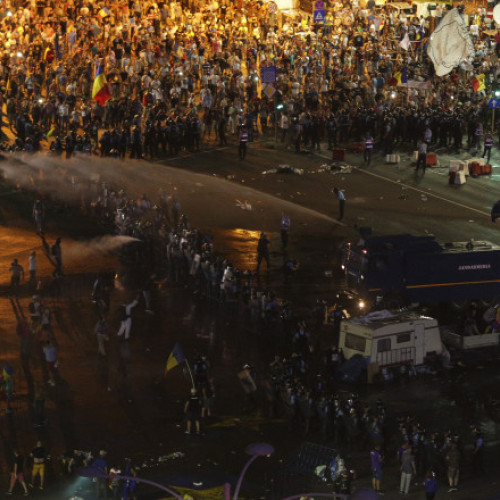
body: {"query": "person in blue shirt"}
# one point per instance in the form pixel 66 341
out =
pixel 377 460
pixel 101 464
pixel 477 454
pixel 430 485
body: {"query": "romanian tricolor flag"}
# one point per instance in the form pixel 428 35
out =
pixel 401 76
pixel 104 12
pixel 176 358
pixel 100 88
pixel 48 55
pixel 478 83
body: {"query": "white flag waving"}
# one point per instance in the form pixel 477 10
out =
pixel 450 44
pixel 405 42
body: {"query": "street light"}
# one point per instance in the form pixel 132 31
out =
pixel 256 450
pixel 96 472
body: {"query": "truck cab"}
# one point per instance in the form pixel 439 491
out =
pixel 400 269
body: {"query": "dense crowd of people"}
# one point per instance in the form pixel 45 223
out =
pixel 178 73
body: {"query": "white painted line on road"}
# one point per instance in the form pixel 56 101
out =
pixel 427 193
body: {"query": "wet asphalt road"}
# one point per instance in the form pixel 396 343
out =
pixel 212 186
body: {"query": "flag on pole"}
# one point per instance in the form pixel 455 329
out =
pixel 176 358
pixel 100 88
pixel 478 83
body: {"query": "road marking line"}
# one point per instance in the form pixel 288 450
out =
pixel 427 193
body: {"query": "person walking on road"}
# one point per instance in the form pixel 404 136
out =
pixel 192 409
pixel 430 485
pixel 50 355
pixel 341 199
pixel 101 484
pixel 422 157
pixel 101 331
pixel 38 215
pixel 32 268
pixel 488 144
pixel 377 460
pixel 368 149
pixel 263 251
pixel 16 274
pixel 17 474
pixel 285 228
pixel 38 456
pixel 408 469
pixel 453 463
pixel 477 453
pixel 242 148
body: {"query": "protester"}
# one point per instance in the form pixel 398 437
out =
pixel 17 474
pixel 38 455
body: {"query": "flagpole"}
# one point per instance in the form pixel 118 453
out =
pixel 190 373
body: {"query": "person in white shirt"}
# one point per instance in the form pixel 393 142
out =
pixel 126 319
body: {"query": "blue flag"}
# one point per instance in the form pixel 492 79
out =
pixel 56 46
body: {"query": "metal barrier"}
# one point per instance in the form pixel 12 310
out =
pixel 298 473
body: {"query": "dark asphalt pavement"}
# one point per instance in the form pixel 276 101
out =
pixel 212 187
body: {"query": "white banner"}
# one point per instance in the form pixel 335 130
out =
pixel 450 44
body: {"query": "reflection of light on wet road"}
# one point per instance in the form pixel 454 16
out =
pixel 239 245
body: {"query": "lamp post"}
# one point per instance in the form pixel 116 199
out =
pixel 96 472
pixel 256 450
